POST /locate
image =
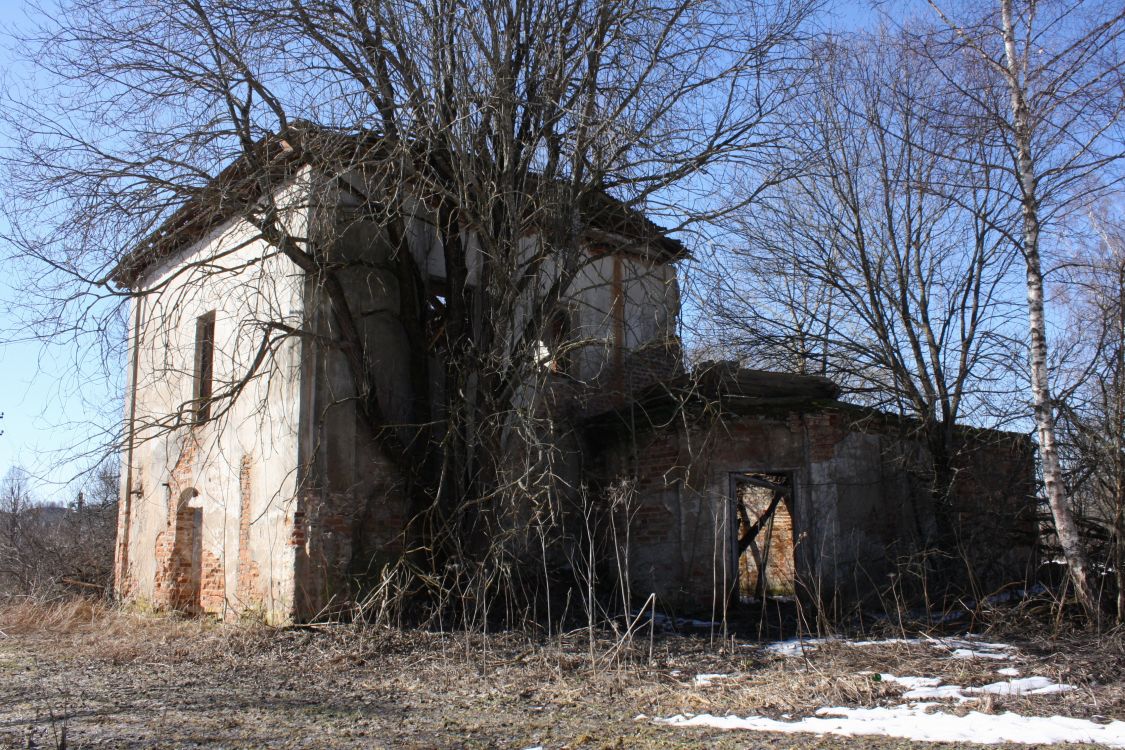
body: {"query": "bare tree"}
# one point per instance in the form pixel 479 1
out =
pixel 15 502
pixel 1092 399
pixel 49 548
pixel 500 119
pixel 1045 80
pixel 882 263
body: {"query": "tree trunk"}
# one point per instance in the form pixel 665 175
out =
pixel 1065 526
pixel 1117 414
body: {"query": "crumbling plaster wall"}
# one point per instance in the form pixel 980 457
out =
pixel 860 504
pixel 627 305
pixel 233 477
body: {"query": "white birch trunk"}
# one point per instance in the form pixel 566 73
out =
pixel 1065 526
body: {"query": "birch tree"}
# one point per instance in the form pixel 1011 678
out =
pixel 1045 79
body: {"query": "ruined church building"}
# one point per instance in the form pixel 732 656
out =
pixel 768 487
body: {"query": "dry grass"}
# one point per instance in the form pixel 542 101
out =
pixel 31 616
pixel 508 687
pixel 93 628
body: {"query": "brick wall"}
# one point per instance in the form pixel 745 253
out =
pixel 177 584
pixel 861 503
pixel 343 538
pixel 213 583
pixel 774 543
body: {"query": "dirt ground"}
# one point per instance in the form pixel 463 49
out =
pixel 100 678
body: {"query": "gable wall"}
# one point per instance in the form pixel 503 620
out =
pixel 207 513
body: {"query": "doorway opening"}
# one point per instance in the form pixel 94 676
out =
pixel 764 541
pixel 188 554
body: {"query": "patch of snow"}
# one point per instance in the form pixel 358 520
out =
pixel 916 723
pixel 795 647
pixel 970 653
pixel 799 646
pixel 705 680
pixel 1008 671
pixel 958 648
pixel 924 688
pixel 965 648
pixel 1022 686
pixel 911 682
pixel 941 692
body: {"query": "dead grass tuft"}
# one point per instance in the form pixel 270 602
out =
pixel 31 616
pixel 97 629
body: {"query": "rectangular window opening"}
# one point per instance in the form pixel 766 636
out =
pixel 204 366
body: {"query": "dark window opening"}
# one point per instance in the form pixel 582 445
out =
pixel 204 366
pixel 435 316
pixel 558 342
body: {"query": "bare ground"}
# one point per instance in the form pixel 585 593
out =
pixel 112 679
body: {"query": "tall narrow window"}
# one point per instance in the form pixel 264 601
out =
pixel 204 365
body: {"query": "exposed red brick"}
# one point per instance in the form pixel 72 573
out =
pixel 249 574
pixel 212 584
pixel 775 541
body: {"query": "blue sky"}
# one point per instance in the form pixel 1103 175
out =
pixel 47 417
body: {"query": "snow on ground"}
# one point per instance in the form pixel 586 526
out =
pixel 916 722
pixel 920 720
pixel 796 647
pixel 939 692
pixel 961 649
pixel 705 680
pixel 1022 686
pixel 931 687
pixel 911 682
pixel 958 648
